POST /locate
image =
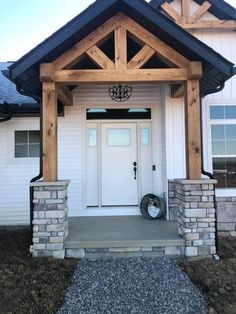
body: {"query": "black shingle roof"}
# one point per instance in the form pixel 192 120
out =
pixel 25 72
pixel 8 92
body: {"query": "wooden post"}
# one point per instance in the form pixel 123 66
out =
pixel 192 129
pixel 49 131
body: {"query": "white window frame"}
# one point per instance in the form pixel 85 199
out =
pixel 27 143
pixel 20 124
pixel 207 145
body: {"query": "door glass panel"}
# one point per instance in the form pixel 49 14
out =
pixel 92 137
pixel 118 137
pixel 145 136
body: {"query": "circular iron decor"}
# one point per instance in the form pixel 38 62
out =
pixel 120 92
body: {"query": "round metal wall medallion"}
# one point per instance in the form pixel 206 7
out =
pixel 120 92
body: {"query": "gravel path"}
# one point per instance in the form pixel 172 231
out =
pixel 132 285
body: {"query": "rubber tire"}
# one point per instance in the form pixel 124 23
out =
pixel 145 202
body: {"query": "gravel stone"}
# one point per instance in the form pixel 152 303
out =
pixel 132 285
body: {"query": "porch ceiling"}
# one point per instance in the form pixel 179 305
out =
pixel 25 72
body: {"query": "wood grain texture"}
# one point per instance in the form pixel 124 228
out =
pixel 166 52
pixel 185 10
pixel 72 77
pixel 46 72
pixel 49 132
pixel 100 58
pixel 64 95
pixel 200 11
pixel 177 90
pixel 120 47
pixel 222 25
pixel 169 10
pixel 195 71
pixel 192 129
pixel 141 58
pixel 73 55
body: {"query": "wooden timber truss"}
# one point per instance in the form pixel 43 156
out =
pixel 182 74
pixel 193 21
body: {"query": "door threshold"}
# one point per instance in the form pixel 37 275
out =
pixel 110 211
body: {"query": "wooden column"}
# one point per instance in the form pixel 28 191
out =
pixel 49 131
pixel 192 129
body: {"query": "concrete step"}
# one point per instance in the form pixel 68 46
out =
pixel 94 237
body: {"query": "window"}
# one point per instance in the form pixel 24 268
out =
pixel 145 136
pixel 223 143
pixel 120 114
pixel 92 137
pixel 27 144
pixel 118 137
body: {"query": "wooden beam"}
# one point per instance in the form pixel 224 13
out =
pixel 185 10
pixel 64 95
pixel 49 131
pixel 192 129
pixel 200 11
pixel 223 25
pixel 71 56
pixel 177 90
pixel 166 52
pixel 141 58
pixel 171 12
pixel 120 48
pixel 46 72
pixel 100 58
pixel 195 71
pixel 73 77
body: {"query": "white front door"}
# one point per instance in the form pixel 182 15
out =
pixel 118 157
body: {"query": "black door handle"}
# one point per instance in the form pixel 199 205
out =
pixel 135 169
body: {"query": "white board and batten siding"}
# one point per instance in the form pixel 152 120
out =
pixel 225 44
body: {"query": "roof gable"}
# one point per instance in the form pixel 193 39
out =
pixel 25 72
pixel 220 9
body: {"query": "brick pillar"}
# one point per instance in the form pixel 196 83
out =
pixel 50 218
pixel 196 216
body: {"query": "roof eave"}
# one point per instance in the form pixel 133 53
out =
pixel 37 53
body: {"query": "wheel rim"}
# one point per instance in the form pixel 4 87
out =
pixel 153 210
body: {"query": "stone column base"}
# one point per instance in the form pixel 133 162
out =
pixel 50 218
pixel 196 216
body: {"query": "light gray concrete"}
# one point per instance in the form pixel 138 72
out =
pixel 121 231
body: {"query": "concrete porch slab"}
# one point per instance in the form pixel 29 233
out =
pixel 121 232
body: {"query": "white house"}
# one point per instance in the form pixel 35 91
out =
pixel 170 66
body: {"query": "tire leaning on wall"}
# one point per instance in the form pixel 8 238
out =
pixel 152 206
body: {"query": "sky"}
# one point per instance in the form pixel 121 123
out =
pixel 26 23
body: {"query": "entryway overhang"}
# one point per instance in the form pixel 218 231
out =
pixel 118 41
pixel 181 60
